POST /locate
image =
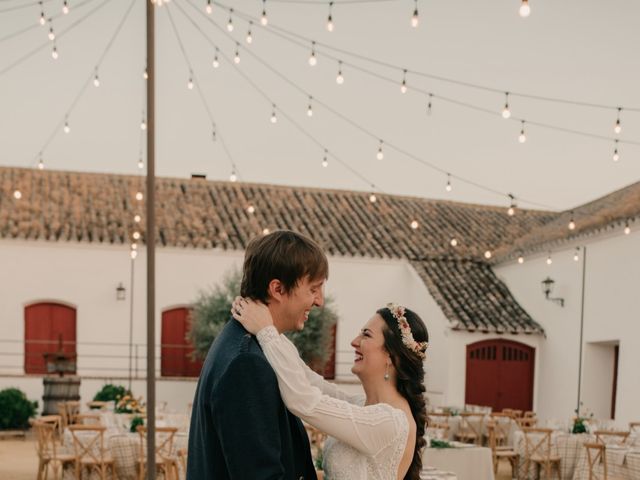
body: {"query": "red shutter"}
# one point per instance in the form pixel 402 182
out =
pixel 176 349
pixel 330 367
pixel 45 325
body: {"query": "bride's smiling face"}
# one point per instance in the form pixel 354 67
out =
pixel 371 358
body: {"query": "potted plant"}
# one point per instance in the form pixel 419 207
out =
pixel 15 409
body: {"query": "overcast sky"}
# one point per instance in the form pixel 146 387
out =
pixel 576 50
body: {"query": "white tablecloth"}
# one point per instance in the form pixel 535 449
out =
pixel 467 462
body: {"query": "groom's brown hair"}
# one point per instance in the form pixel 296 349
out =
pixel 284 255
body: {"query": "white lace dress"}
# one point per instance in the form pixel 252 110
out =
pixel 367 441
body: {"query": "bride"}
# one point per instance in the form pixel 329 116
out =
pixel 378 437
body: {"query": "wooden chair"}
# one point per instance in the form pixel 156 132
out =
pixel 470 430
pixel 48 448
pixel 91 454
pixel 88 419
pixel 97 405
pixel 56 421
pixel 529 414
pixel 537 451
pixel 611 438
pixel 166 461
pixel 596 456
pixel 439 431
pixel 501 453
pixel 182 461
pixel 502 426
pixel 634 427
pixel 526 422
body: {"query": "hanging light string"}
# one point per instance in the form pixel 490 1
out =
pixel 248 79
pixel 47 44
pixel 216 129
pixel 86 83
pixel 324 2
pixel 34 26
pixel 378 138
pixel 441 78
pixel 24 5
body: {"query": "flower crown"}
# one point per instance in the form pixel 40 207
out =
pixel 418 348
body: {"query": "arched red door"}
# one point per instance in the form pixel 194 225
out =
pixel 176 350
pixel 500 374
pixel 48 327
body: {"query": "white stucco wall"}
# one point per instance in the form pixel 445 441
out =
pixel 611 314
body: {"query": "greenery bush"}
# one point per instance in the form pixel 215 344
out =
pixel 135 421
pixel 211 313
pixel 110 392
pixel 15 409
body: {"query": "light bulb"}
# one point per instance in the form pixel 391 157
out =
pixel 134 246
pixel 65 7
pixel 52 36
pixel 312 59
pixel 330 24
pixel 139 196
pixel 414 224
pixel 414 18
pixel 208 8
pixel 511 211
pixel 54 53
pixel 40 165
pixel 616 155
pixel 66 127
pixel 618 127
pixel 372 198
pixel 263 19
pixel 576 257
pixel 265 231
pixel 215 62
pixel 487 254
pixel 325 162
pixel 339 79
pixel 520 259
pixel 230 25
pixel 236 58
pixel 380 153
pixel 403 87
pixel 190 84
pixel 506 113
pixel 251 209
pixel 572 225
pixel 309 111
pixel 143 125
pixel 522 137
pixel 274 118
pixel 249 37
pixel 42 20
pixel 136 235
pixel 525 9
pixel 549 261
pixel 140 164
pixel 627 230
pixel 96 81
pixel 454 242
pixel 17 194
pixel 145 74
pixel 448 187
pixel 137 219
pixel 134 254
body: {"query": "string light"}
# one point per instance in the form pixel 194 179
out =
pixel 54 52
pixel 249 36
pixel 414 224
pixel 251 209
pixel 520 259
pixel 65 7
pixel 487 254
pixel 380 153
pixel 330 18
pixel 339 78
pixel 230 22
pixel 96 79
pixel 274 118
pixel 448 186
pixel 506 113
pixel 627 228
pixel 576 254
pixel 372 198
pixel 429 104
pixel 136 235
pixel 414 17
pixel 216 62
pixel 66 128
pixel 51 35
pixel 525 9
pixel 145 74
pixel 549 261
pixel 134 246
pixel 522 137
pixel 208 8
pixel 310 108
pixel 512 207
pixel 42 20
pixel 325 162
pixel 263 19
pixel 265 231
pixel 572 224
pixel 454 242
pixel 190 81
pixel 140 164
pixel 134 254
pixel 403 86
pixel 236 58
pixel 139 196
pixel 143 123
pixel 618 127
pixel 233 177
pixel 616 155
pixel 17 194
pixel 40 164
pixel 312 58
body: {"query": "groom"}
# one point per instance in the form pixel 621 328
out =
pixel 240 428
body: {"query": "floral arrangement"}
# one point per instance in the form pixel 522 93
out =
pixel 129 404
pixel 580 421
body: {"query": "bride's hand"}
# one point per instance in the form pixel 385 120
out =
pixel 254 316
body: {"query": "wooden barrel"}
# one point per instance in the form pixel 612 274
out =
pixel 59 389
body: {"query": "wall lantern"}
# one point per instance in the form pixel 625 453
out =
pixel 547 288
pixel 121 292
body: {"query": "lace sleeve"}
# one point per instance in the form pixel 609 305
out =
pixel 368 429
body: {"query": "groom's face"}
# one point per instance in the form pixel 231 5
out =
pixel 297 304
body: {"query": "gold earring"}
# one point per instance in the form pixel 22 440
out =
pixel 386 373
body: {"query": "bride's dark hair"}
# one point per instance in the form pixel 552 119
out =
pixel 410 376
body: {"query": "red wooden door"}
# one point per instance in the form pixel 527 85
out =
pixel 176 349
pixel 500 375
pixel 330 366
pixel 45 326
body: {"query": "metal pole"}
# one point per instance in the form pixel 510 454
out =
pixel 150 244
pixel 584 273
pixel 131 323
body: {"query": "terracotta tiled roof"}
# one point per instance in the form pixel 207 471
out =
pixel 98 208
pixel 611 212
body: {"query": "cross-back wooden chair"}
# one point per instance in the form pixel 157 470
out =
pixel 529 414
pixel 97 405
pixel 439 431
pixel 470 430
pixel 537 452
pixel 502 426
pixel 440 417
pixel 611 438
pixel 88 419
pixel 91 453
pixel 49 450
pixel 56 421
pixel 526 422
pixel 597 461
pixel 166 460
pixel 501 453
